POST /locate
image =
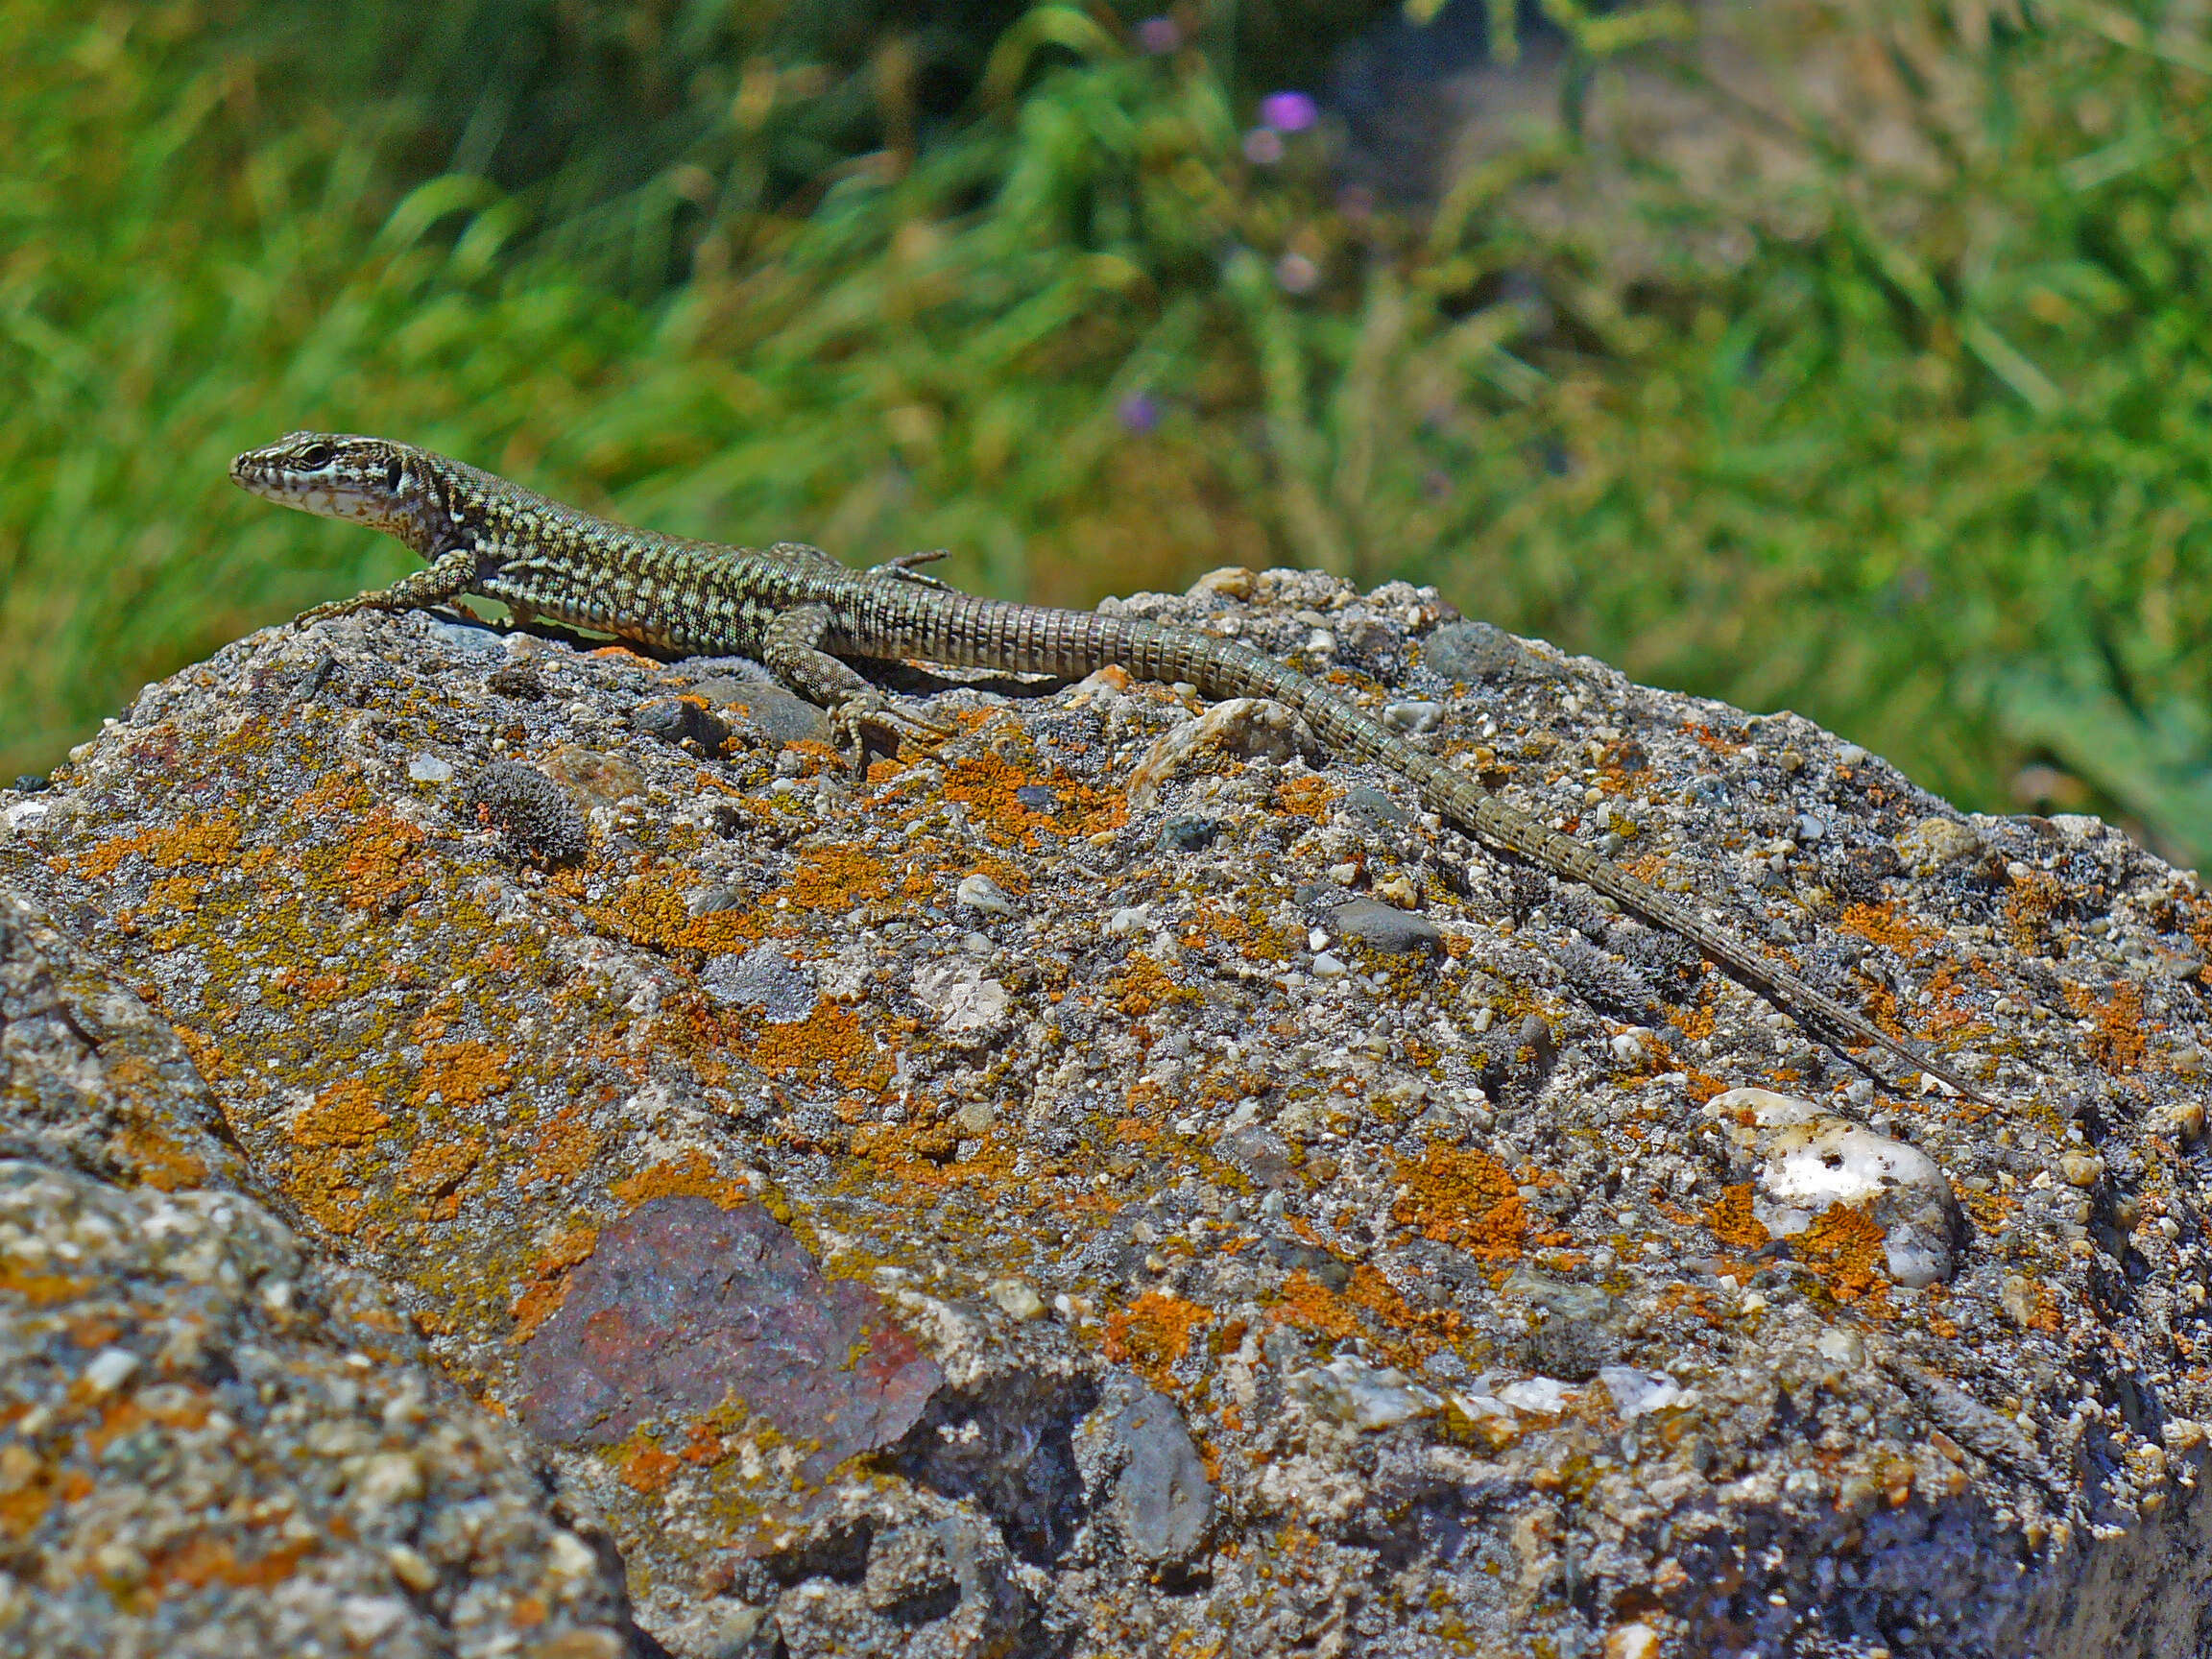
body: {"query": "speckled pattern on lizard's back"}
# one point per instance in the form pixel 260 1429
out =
pixel 802 612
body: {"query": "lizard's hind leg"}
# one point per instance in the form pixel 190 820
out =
pixel 902 568
pixel 857 710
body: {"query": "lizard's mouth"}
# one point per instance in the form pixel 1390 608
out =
pixel 259 472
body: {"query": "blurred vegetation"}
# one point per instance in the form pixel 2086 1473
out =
pixel 1872 382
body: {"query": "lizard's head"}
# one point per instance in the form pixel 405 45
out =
pixel 367 480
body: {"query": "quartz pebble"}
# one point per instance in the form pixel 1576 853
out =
pixel 1806 1160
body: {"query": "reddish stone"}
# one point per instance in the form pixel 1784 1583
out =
pixel 686 1305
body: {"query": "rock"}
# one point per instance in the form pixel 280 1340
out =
pixel 1639 1393
pixel 970 1006
pixel 1808 1163
pixel 1188 835
pixel 683 722
pixel 632 1249
pixel 772 714
pixel 1363 1395
pixel 980 893
pixel 215 1442
pixel 688 1311
pixel 1937 844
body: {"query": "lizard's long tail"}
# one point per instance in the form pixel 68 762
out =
pixel 986 633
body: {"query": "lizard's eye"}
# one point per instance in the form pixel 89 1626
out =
pixel 315 455
pixel 393 473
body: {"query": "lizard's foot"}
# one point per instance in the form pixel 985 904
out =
pixel 902 568
pixel 866 719
pixel 336 608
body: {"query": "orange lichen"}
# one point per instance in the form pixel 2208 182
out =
pixel 173 895
pixel 2116 1039
pixel 205 841
pixel 832 1039
pixel 1143 987
pixel 200 1561
pixel 648 1469
pixel 342 1114
pixel 1153 1332
pixel 691 1176
pixel 1879 925
pixel 1733 1222
pixel 1310 1305
pixel 549 1284
pixel 565 1146
pixel 833 879
pixel 1846 1248
pixel 157 1161
pixel 1462 1196
pixel 1992 1212
pixel 2028 906
pixel 40 1290
pixel 1304 797
pixel 380 860
pixel 461 1074
pixel 435 1168
pixel 986 785
pixel 649 909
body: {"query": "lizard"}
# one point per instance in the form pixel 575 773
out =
pixel 802 612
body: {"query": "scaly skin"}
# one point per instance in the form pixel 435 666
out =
pixel 801 612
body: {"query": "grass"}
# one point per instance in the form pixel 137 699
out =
pixel 1906 430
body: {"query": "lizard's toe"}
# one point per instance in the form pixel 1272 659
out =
pixel 866 721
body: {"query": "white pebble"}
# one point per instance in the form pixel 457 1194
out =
pixel 109 1370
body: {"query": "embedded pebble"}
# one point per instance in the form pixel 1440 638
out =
pixel 2081 1168
pixel 1351 1391
pixel 1162 1501
pixel 1807 1160
pixel 1478 651
pixel 1544 1396
pixel 1413 718
pixel 1017 1299
pixel 969 1004
pixel 978 892
pixel 1385 928
pixel 1188 835
pixel 430 769
pixel 1639 1393
pixel 761 979
pixel 1937 844
pixel 1241 729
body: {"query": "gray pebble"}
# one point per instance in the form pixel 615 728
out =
pixel 760 979
pixel 1162 1501
pixel 1188 835
pixel 1385 928
pixel 1475 651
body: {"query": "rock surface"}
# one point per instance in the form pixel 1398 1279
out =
pixel 1154 1246
pixel 211 1443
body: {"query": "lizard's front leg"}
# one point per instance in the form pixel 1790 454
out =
pixel 857 710
pixel 445 578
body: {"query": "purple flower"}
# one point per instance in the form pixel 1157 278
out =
pixel 1159 35
pixel 1297 274
pixel 1139 412
pixel 1288 112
